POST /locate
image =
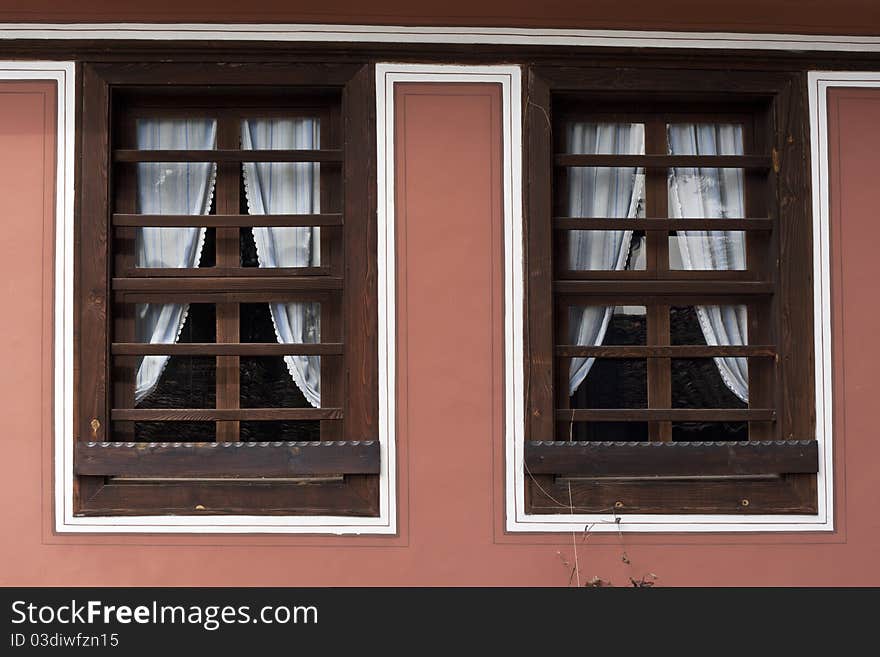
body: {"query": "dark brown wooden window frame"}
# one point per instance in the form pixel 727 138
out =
pixel 338 475
pixel 774 472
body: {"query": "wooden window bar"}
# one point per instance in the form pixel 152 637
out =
pixel 228 284
pixel 121 220
pixel 230 459
pixel 227 155
pixel 654 161
pixel 656 459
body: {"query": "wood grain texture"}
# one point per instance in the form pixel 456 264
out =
pixel 226 155
pixel 225 349
pixel 277 459
pixel 665 351
pixel 606 223
pixel 227 220
pixel 662 161
pixel 223 414
pixel 660 414
pixel 217 498
pixel 672 458
pixel 256 284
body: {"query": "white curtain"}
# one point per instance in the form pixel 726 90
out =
pixel 713 193
pixel 288 188
pixel 169 188
pixel 600 192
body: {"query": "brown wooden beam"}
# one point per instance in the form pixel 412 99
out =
pixel 223 272
pixel 662 287
pixel 222 414
pixel 227 284
pixel 663 161
pixel 225 349
pixel 661 351
pixel 602 223
pixel 671 414
pixel 227 220
pixel 227 155
pixel 232 459
pixel 652 459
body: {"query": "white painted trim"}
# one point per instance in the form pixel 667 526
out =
pixel 65 521
pixel 303 32
pixel 62 73
pixel 519 521
pixel 510 79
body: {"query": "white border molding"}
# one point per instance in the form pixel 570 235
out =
pixel 62 74
pixel 65 521
pixel 520 521
pixel 305 32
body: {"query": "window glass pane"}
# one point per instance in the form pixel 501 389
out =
pixel 283 188
pixel 172 188
pixel 198 323
pixel 296 322
pixel 598 138
pixel 615 431
pixel 602 192
pixel 716 325
pixel 626 325
pixel 279 381
pixel 706 193
pixel 709 431
pixel 604 250
pixel 710 383
pixel 176 382
pixel 704 139
pixel 708 250
pixel 270 431
pixel 608 383
pixel 173 432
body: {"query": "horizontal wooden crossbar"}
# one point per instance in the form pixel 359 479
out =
pixel 667 225
pixel 662 287
pixel 753 162
pixel 668 414
pixel 665 351
pixel 225 349
pixel 227 284
pixel 227 155
pixel 244 296
pixel 226 220
pixel 223 272
pixel 222 414
pixel 652 459
pixel 656 275
pixel 236 460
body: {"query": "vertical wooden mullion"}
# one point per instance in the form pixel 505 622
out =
pixel 332 256
pixel 123 368
pixel 228 255
pixel 657 246
pixel 360 327
pixel 541 365
pixel 760 265
pixel 564 429
pixel 91 272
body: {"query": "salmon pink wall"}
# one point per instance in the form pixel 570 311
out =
pixel 450 389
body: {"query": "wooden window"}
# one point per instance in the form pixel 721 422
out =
pixel 267 397
pixel 698 392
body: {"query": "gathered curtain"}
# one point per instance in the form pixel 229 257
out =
pixel 600 192
pixel 713 193
pixel 288 188
pixel 169 188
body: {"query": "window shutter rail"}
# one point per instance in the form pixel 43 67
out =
pixel 231 459
pixel 671 459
